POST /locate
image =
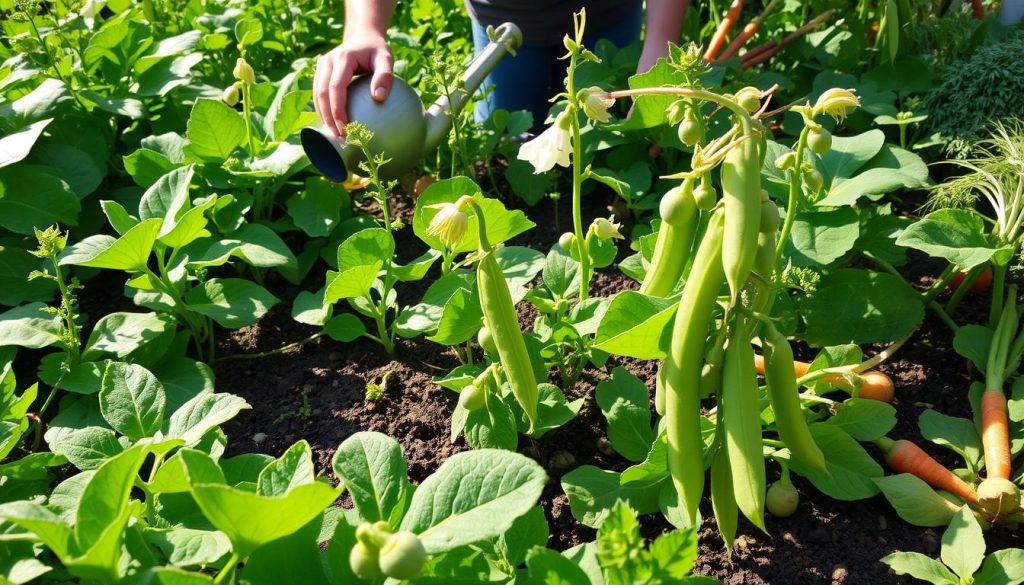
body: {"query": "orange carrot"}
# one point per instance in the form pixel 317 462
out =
pixel 748 32
pixel 995 434
pixel 765 51
pixel 731 16
pixel 874 385
pixel 905 457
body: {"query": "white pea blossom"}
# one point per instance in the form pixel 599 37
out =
pixel 596 103
pixel 551 147
pixel 606 229
pixel 450 223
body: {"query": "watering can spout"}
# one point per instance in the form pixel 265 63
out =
pixel 507 38
pixel 402 131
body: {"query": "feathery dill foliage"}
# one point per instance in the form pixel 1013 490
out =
pixel 995 172
pixel 976 91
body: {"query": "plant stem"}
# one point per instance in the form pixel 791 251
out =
pixel 279 350
pixel 577 179
pixel 794 198
pixel 998 282
pixel 247 112
pixel 229 568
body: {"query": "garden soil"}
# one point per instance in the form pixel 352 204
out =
pixel 316 393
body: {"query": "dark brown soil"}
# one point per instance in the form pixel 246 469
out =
pixel 317 394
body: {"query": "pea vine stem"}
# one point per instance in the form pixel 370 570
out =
pixel 577 178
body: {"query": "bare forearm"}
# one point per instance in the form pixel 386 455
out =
pixel 362 16
pixel 664 22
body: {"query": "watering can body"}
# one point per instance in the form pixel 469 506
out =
pixel 403 131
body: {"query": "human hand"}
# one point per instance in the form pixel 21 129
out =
pixel 363 52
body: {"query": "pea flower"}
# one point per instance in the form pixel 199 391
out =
pixel 596 103
pixel 551 147
pixel 451 221
pixel 231 94
pixel 606 229
pixel 243 71
pixel 837 103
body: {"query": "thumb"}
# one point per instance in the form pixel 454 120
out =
pixel 380 83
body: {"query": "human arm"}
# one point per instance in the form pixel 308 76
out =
pixel 664 22
pixel 363 50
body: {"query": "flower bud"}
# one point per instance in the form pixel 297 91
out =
pixel 243 71
pixel 566 241
pixel 819 140
pixel 786 161
pixel 472 397
pixel 813 180
pixel 689 131
pixel 705 195
pixel 364 562
pixel 749 98
pixel 606 229
pixel 403 556
pixel 231 94
pixel 595 103
pixel 837 103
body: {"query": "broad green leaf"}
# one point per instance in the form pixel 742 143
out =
pixel 168 198
pixel 295 558
pixel 425 316
pixel 850 470
pixel 316 209
pixel 417 268
pixel 34 196
pixel 254 243
pixel 187 547
pixel 889 170
pixel 15 147
pixel 915 501
pixel 593 491
pixel 183 379
pixel 863 419
pixel 292 469
pixel 344 327
pixel 352 283
pixel 105 498
pixel 88 448
pixel 118 217
pixel 16 264
pixel 460 319
pixel 373 470
pixel 502 224
pixel 122 333
pixel 674 554
pixel 547 567
pixel 822 237
pixel 553 410
pixel 202 414
pixel 473 496
pixel 625 401
pixel 858 306
pixel 528 531
pixel 973 342
pixel 963 544
pixel 214 131
pixel 29 326
pixel 561 273
pixel 850 153
pixel 958 434
pixel 493 427
pixel 957 235
pixel 1003 567
pixel 231 302
pixel 920 567
pixel 42 522
pixel 132 400
pixel 366 248
pixel 634 325
pixel 130 252
pixel 190 226
pixel 171 576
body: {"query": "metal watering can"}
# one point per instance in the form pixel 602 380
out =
pixel 402 130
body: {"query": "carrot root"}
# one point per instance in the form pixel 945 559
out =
pixel 874 385
pixel 906 457
pixel 995 434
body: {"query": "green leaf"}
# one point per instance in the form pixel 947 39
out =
pixel 957 235
pixel 674 554
pixel 592 492
pixel 254 243
pixel 915 501
pixel 1003 567
pixel 889 170
pixel 295 558
pixel 473 496
pixel 132 400
pixel 316 209
pixel 858 306
pixel 248 31
pixel 625 402
pixel 502 224
pixel 547 567
pixel 460 319
pixel 634 325
pixel 214 131
pixel 493 427
pixel 973 342
pixel 34 196
pixel 528 531
pixel 122 333
pixel 202 414
pixel 130 252
pixel 187 547
pixel 963 544
pixel 29 326
pixel 16 264
pixel 16 146
pixel 425 316
pixel 104 500
pixel 231 302
pixel 248 519
pixel 863 419
pixel 42 522
pixel 373 470
pixel 345 327
pixel 168 198
pixel 920 567
pixel 822 237
pixel 850 153
pixel 553 410
pixel 849 469
pixel 118 216
pixel 958 434
pixel 292 469
pixel 88 448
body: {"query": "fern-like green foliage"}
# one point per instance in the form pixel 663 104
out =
pixel 977 91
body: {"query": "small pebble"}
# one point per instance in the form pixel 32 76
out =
pixel 605 446
pixel 788 537
pixel 839 575
pixel 258 438
pixel 930 541
pixel 882 523
pixel 562 460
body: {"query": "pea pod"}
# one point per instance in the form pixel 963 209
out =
pixel 764 260
pixel 675 238
pixel 659 391
pixel 783 392
pixel 723 502
pixel 683 366
pixel 501 320
pixel 741 424
pixel 741 194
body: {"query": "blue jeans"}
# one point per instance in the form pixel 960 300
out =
pixel 528 80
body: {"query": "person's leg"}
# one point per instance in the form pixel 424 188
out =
pixel 623 32
pixel 516 82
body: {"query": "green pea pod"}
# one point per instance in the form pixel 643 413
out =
pixel 783 393
pixel 711 373
pixel 741 194
pixel 675 238
pixel 723 502
pixel 742 425
pixel 659 391
pixel 501 319
pixel 683 366
pixel 764 260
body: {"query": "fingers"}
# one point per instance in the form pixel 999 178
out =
pixel 380 83
pixel 321 91
pixel 341 75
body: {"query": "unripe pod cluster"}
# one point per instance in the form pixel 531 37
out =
pixel 705 196
pixel 782 499
pixel 379 552
pixel 769 217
